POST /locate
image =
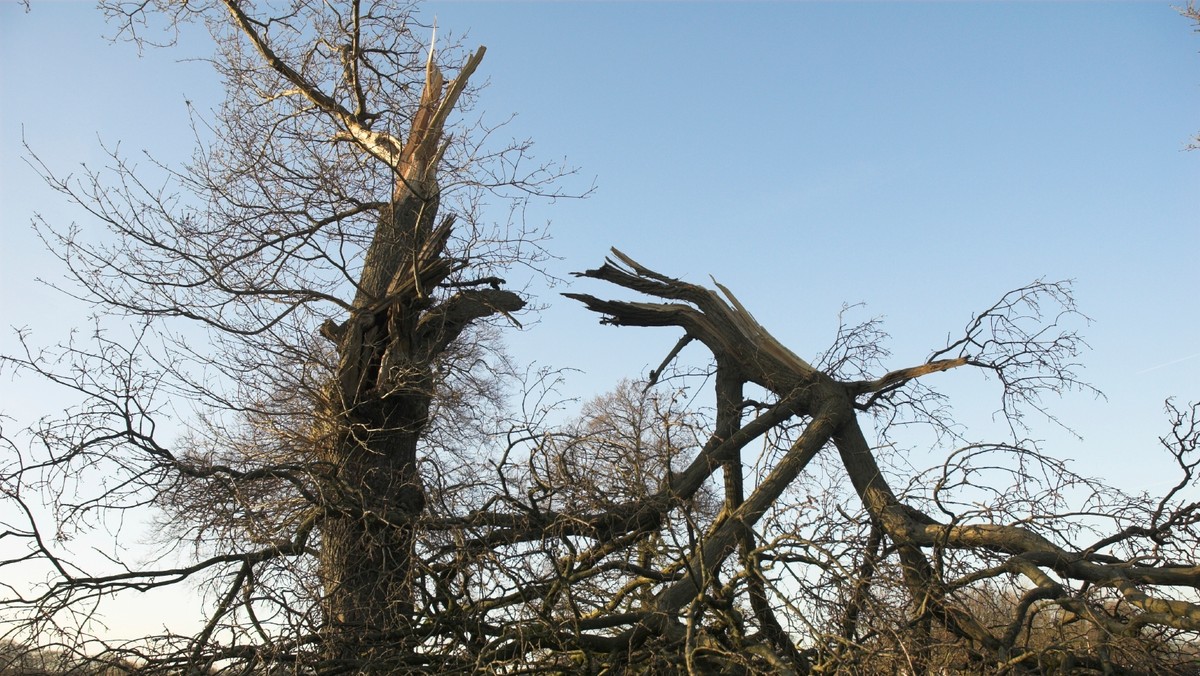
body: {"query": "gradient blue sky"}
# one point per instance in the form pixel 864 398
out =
pixel 921 158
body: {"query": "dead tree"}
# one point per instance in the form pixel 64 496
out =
pixel 1058 574
pixel 356 498
pixel 325 236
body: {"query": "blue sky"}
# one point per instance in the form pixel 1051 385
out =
pixel 921 158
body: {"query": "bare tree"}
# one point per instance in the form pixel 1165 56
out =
pixel 897 581
pixel 338 449
pixel 327 237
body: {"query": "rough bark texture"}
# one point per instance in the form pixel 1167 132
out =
pixel 387 351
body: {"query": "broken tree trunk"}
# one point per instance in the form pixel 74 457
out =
pixel 746 353
pixel 387 349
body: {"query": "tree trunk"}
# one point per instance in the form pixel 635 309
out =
pixel 367 549
pixel 381 408
pixel 398 330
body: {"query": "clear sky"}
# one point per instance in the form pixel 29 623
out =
pixel 921 158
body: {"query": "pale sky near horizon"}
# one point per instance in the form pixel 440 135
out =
pixel 920 158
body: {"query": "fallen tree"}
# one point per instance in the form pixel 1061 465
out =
pixel 1128 587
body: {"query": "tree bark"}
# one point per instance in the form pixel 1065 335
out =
pixel 748 353
pixel 380 404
